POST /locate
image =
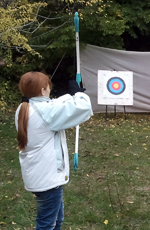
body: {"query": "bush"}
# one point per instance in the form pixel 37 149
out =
pixel 9 97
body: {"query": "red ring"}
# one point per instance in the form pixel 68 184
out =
pixel 117 84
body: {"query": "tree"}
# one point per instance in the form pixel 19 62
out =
pixel 14 21
pixel 103 23
pixel 30 34
pixel 35 35
pixel 137 35
pixel 117 24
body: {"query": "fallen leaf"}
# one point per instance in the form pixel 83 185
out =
pixel 18 195
pixel 13 223
pixel 2 223
pixel 106 222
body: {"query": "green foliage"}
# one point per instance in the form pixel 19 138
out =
pixel 9 97
pixel 103 24
pixel 138 17
pixel 104 16
pixel 112 23
pixel 34 36
pixel 65 38
pixel 13 19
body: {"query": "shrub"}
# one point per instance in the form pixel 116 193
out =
pixel 9 97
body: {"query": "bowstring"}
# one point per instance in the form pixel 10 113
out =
pixel 58 65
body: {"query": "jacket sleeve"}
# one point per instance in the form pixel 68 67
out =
pixel 66 111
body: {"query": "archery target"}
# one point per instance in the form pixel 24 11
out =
pixel 115 87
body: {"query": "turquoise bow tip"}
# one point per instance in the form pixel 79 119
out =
pixel 78 78
pixel 76 22
pixel 75 161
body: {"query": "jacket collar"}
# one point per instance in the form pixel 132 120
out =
pixel 39 99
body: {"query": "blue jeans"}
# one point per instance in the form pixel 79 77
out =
pixel 50 210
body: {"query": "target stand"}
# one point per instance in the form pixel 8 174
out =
pixel 115 88
pixel 124 109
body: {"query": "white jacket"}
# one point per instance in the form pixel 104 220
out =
pixel 45 163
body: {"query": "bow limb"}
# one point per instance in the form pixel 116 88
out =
pixel 78 79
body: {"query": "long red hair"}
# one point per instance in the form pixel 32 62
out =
pixel 30 85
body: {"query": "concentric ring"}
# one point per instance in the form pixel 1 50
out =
pixel 116 85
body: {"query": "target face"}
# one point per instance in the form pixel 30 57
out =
pixel 116 85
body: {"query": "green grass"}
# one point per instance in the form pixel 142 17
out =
pixel 112 183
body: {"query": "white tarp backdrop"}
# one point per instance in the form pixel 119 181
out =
pixel 94 58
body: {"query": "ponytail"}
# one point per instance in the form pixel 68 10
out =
pixel 22 125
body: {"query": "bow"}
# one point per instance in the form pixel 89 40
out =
pixel 78 79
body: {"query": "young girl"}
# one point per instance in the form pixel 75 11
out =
pixel 43 155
